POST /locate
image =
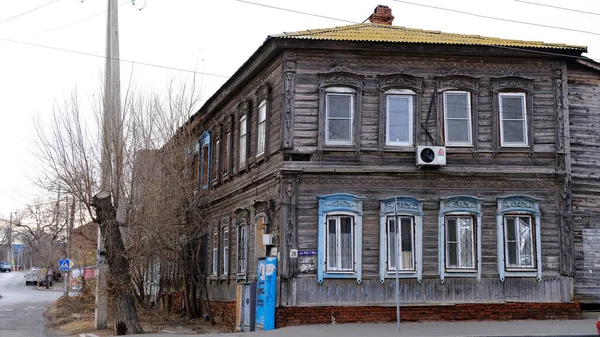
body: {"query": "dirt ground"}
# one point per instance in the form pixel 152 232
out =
pixel 75 315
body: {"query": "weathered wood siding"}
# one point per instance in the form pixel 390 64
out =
pixel 584 111
pixel 429 188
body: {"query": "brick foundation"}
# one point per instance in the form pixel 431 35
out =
pixel 459 312
pixel 224 313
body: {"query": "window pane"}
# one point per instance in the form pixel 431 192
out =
pixel 243 125
pixel 338 106
pixel 331 243
pixel 452 255
pixel 398 118
pixel 458 130
pixel 451 230
pixel 262 112
pixel 242 150
pixel 339 130
pixel 466 243
pixel 260 147
pixel 406 229
pixel 391 242
pixel 457 105
pixel 512 107
pixel 514 131
pixel 346 243
pixel 525 242
pixel 511 244
pixel 510 229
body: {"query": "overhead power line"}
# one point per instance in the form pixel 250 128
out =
pixel 498 19
pixel 295 11
pixel 556 7
pixel 120 59
pixel 29 11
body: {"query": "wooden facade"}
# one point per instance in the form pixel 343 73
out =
pixel 304 185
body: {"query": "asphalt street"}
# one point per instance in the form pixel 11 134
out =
pixel 22 307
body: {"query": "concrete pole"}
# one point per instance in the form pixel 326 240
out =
pixel 111 149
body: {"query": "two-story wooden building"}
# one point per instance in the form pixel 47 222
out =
pixel 465 165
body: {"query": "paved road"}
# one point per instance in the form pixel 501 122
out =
pixel 21 307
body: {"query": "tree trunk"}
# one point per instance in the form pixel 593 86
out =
pixel 119 282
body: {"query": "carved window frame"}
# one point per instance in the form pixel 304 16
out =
pixel 465 206
pixel 458 81
pixel 263 96
pixel 228 148
pixel 399 84
pixel 244 111
pixel 340 78
pixel 336 205
pixel 215 266
pixel 205 167
pixel 226 261
pixel 404 206
pixel 217 155
pixel 518 205
pixel 242 224
pixel 260 212
pixel 512 84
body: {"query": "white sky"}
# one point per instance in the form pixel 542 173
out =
pixel 215 37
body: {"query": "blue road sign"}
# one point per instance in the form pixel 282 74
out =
pixel 64 265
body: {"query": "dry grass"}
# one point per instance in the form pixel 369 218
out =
pixel 75 315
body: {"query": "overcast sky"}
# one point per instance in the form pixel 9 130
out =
pixel 47 48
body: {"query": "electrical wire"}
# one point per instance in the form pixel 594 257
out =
pixel 51 2
pixel 76 22
pixel 556 7
pixel 498 19
pixel 118 59
pixel 295 11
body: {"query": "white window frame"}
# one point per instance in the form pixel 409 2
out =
pixel 523 97
pixel 215 252
pixel 469 119
pixel 347 92
pixel 519 206
pixel 397 241
pixel 242 139
pixel 225 265
pixel 227 156
pixel 458 242
pixel 518 241
pixel 337 267
pixel 399 93
pixel 262 128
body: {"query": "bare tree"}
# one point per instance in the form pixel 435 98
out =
pixel 69 156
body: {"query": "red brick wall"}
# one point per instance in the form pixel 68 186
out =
pixel 224 313
pixel 377 314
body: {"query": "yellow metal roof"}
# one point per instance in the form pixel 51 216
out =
pixel 383 33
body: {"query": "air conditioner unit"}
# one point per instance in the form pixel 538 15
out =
pixel 431 155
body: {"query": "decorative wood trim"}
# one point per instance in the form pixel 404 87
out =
pixel 563 164
pixel 289 90
pixel 244 108
pixel 263 94
pixel 288 223
pixel 423 183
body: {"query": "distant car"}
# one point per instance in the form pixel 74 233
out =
pixel 4 266
pixel 42 280
pixel 32 275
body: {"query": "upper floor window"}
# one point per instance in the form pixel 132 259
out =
pixel 196 165
pixel 340 237
pixel 400 238
pixel 460 237
pixel 217 159
pixel 339 116
pixel 513 119
pixel 242 140
pixel 340 101
pixel 457 118
pixel 519 237
pixel 399 118
pixel 227 156
pixel 205 159
pixel 262 128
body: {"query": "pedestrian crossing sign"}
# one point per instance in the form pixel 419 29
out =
pixel 65 264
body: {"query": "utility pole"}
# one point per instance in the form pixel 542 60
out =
pixel 69 231
pixel 9 253
pixel 111 159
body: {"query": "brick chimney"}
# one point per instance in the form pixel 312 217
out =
pixel 382 15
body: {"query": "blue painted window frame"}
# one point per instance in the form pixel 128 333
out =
pixel 205 141
pixel 405 206
pixel 459 205
pixel 519 205
pixel 340 204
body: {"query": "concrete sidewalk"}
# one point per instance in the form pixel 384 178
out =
pixel 584 327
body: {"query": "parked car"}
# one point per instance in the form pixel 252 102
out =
pixel 42 280
pixel 32 276
pixel 4 266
